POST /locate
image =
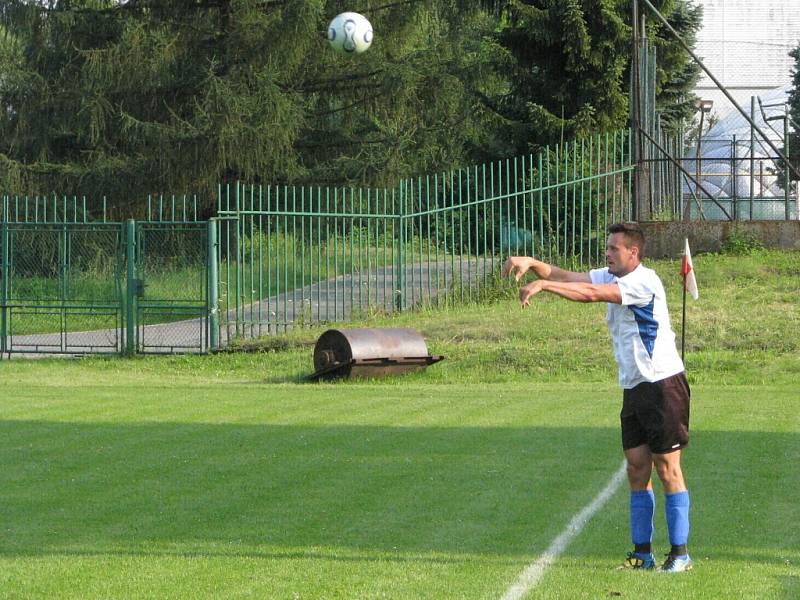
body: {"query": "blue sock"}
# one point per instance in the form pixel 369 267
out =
pixel 677 510
pixel 643 506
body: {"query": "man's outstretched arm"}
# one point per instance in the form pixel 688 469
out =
pixel 519 265
pixel 577 291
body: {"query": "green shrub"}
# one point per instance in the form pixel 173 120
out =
pixel 740 241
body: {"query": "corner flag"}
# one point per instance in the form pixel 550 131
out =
pixel 687 270
pixel 689 285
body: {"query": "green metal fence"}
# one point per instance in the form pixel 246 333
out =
pixel 275 257
pixel 292 255
pixel 73 281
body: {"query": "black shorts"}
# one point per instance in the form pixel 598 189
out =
pixel 656 414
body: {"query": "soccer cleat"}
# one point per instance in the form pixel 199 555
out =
pixel 639 560
pixel 676 564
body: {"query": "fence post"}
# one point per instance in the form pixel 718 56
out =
pixel 130 303
pixel 4 287
pixel 639 118
pixel 752 155
pixel 787 185
pixel 213 292
pixel 401 267
pixel 734 178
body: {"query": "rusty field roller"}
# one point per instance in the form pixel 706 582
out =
pixel 344 353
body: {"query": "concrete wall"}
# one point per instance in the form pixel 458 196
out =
pixel 665 239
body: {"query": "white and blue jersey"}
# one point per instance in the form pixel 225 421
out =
pixel 644 343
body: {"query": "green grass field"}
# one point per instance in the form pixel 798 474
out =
pixel 226 476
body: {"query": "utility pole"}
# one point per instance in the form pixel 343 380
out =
pixel 641 187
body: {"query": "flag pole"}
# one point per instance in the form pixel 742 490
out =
pixel 687 270
pixel 683 320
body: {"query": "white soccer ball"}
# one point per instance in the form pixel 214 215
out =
pixel 350 32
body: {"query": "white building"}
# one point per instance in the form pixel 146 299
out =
pixel 745 44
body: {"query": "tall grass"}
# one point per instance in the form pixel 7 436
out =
pixel 745 328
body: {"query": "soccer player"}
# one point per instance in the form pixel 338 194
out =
pixel 655 399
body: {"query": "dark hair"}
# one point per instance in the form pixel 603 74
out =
pixel 634 236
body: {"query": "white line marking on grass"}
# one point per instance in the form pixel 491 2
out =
pixel 534 571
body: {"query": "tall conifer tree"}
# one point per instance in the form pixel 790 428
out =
pixel 569 64
pixel 127 98
pixel 567 59
pixel 676 71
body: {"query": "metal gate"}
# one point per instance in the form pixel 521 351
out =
pixel 60 288
pixel 87 287
pixel 167 287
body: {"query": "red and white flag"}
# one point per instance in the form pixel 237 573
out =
pixel 687 270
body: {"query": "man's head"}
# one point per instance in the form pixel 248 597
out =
pixel 624 248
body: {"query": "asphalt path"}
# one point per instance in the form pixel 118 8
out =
pixel 333 300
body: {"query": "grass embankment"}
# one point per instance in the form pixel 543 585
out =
pixel 745 328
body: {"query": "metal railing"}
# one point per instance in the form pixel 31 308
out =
pixel 749 187
pixel 290 255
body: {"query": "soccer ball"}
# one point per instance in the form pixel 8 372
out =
pixel 350 32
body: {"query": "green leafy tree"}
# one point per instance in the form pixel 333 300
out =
pixel 793 144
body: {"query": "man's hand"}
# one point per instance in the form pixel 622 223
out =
pixel 526 292
pixel 516 266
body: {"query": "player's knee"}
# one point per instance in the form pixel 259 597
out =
pixel 669 473
pixel 638 474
